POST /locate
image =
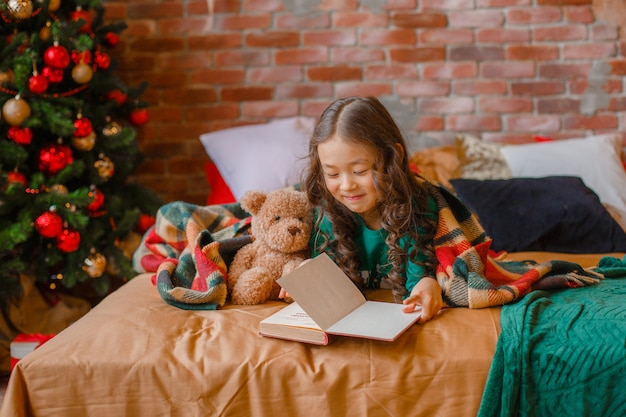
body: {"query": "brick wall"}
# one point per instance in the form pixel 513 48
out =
pixel 505 69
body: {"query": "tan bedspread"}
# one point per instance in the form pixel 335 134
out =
pixel 135 355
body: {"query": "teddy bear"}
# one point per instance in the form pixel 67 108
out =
pixel 280 227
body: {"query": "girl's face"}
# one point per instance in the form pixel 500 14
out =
pixel 348 170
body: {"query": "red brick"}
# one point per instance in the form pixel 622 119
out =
pixel 329 38
pixel 582 14
pixel 428 122
pixel 188 96
pixel 157 44
pixel 188 61
pixel 548 70
pixel 420 20
pixel 476 53
pixel 450 70
pixel 601 121
pixel 530 15
pixel 617 104
pixel 275 74
pixel 564 2
pixel 557 105
pixel 532 52
pixel 411 88
pixel 304 91
pixel 446 4
pixel 218 76
pixel 219 111
pixel 246 93
pixel 604 32
pixel 560 33
pixel 504 105
pixel 358 20
pixel 417 54
pixel 387 37
pixel 245 57
pixel 447 105
pixel 144 28
pixel 300 56
pixel 115 10
pixel 390 71
pixel 334 73
pixel 148 10
pixel 195 7
pixel 243 22
pixel 532 123
pixel 270 109
pixel 579 86
pixel 521 69
pixel 537 88
pixel 477 87
pixel 183 26
pixel 213 41
pixel 363 89
pixel 476 18
pixel 618 67
pixel 502 3
pixel 357 54
pixel 503 35
pixel 290 21
pixel 472 122
pixel 446 36
pixel 271 39
pixel 589 51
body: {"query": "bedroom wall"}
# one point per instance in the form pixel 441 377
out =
pixel 507 70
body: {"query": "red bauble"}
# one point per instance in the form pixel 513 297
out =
pixel 81 56
pixel 118 96
pixel 54 75
pixel 68 240
pixel 139 117
pixel 16 177
pixel 20 135
pixel 82 127
pixel 56 56
pixel 49 224
pixel 102 60
pixel 53 158
pixel 111 39
pixel 98 200
pixel 145 222
pixel 79 14
pixel 37 83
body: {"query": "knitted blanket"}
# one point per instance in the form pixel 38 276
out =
pixel 190 247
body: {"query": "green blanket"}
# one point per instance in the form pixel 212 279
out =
pixel 561 353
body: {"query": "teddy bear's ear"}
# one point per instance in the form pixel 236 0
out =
pixel 252 201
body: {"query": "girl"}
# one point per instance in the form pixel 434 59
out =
pixel 375 219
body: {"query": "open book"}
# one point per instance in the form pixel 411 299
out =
pixel 328 303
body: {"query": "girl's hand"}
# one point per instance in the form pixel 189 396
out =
pixel 427 295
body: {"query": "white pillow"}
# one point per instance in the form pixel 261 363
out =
pixel 594 159
pixel 261 157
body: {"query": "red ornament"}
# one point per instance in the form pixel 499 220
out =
pixel 16 177
pixel 81 56
pixel 53 158
pixel 56 56
pixel 139 117
pixel 37 83
pixel 82 127
pixel 102 60
pixel 145 222
pixel 49 224
pixel 68 240
pixel 98 200
pixel 111 39
pixel 20 135
pixel 79 14
pixel 117 95
pixel 54 75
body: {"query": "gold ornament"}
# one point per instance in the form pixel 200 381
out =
pixel 104 166
pixel 20 9
pixel 54 5
pixel 82 73
pixel 58 189
pixel 84 144
pixel 44 32
pixel 111 128
pixel 6 77
pixel 95 264
pixel 15 111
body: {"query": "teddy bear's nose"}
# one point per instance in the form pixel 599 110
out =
pixel 293 230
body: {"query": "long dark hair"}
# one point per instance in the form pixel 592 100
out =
pixel 404 200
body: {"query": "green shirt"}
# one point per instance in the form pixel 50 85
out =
pixel 373 252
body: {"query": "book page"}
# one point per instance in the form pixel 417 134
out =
pixel 375 320
pixel 322 289
pixel 292 315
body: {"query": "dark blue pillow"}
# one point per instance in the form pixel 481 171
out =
pixel 554 214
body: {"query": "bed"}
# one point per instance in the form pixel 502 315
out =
pixel 135 354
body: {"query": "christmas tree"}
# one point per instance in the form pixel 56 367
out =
pixel 67 147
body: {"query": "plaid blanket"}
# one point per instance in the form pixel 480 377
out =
pixel 190 247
